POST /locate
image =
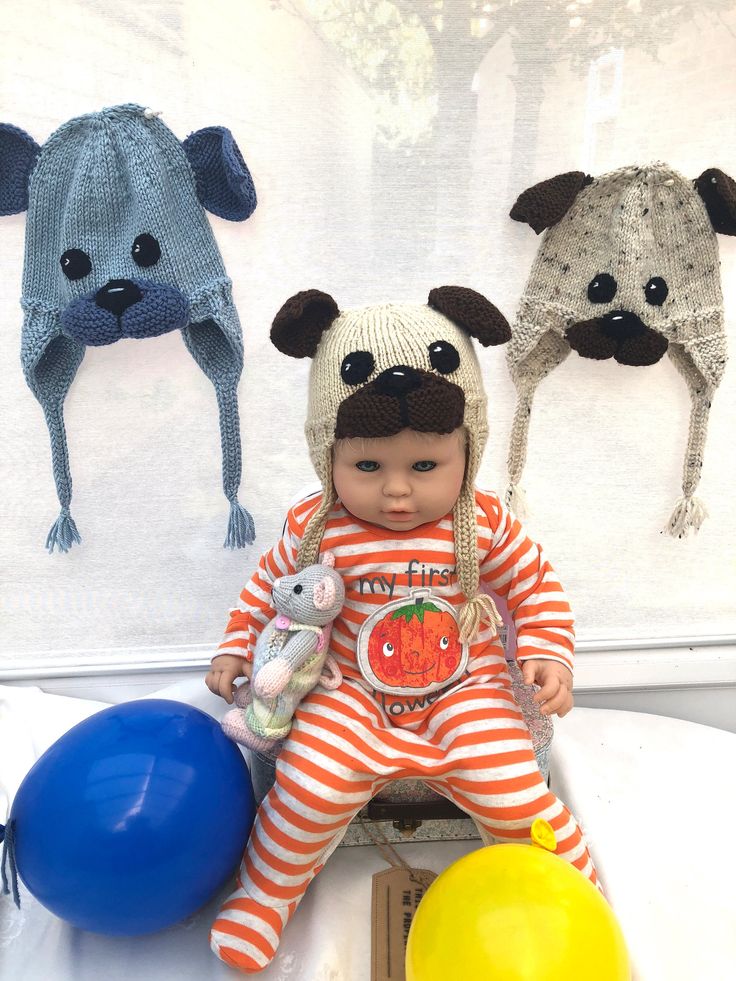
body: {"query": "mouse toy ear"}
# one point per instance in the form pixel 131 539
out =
pixel 544 204
pixel 324 594
pixel 328 559
pixel 300 323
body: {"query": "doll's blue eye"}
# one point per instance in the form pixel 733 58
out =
pixel 298 588
pixel 367 466
pixel 424 466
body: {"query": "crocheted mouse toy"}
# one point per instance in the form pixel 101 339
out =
pixel 290 657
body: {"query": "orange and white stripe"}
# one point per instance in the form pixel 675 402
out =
pixel 378 565
pixel 471 744
pixel 475 750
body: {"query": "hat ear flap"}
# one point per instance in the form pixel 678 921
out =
pixel 18 155
pixel 299 325
pixel 544 204
pixel 471 312
pixel 50 362
pixel 224 184
pixel 216 346
pixel 718 192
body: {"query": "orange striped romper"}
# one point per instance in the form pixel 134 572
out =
pixel 414 703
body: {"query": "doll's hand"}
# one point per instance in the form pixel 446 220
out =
pixel 555 681
pixel 225 669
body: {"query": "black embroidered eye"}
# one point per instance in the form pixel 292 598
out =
pixel 443 357
pixel 357 367
pixel 146 251
pixel 298 588
pixel 655 292
pixel 75 264
pixel 602 288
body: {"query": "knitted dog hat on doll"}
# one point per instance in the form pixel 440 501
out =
pixel 381 369
pixel 628 270
pixel 118 245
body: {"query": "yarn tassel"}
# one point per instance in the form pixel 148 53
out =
pixel 241 530
pixel 63 533
pixel 7 836
pixel 480 607
pixel 516 501
pixel 689 514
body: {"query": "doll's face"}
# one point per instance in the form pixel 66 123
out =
pixel 400 482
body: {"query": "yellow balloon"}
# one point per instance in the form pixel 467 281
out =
pixel 514 913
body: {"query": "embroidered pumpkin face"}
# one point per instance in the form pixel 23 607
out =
pixel 415 646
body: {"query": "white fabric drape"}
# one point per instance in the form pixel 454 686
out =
pixel 387 142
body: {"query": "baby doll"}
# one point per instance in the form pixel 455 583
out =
pixel 291 656
pixel 396 424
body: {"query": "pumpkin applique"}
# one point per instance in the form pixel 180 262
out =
pixel 412 645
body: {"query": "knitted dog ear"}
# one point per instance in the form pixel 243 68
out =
pixel 300 323
pixel 224 184
pixel 472 312
pixel 544 204
pixel 18 153
pixel 718 192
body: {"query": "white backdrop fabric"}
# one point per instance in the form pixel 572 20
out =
pixel 387 141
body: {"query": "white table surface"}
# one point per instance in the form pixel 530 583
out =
pixel 656 797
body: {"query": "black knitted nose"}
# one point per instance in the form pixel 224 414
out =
pixel 117 295
pixel 399 380
pixel 620 325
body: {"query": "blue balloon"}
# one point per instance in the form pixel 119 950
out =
pixel 134 818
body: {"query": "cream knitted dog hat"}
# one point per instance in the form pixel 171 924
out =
pixel 629 270
pixel 381 369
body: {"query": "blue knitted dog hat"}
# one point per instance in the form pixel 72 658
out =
pixel 118 245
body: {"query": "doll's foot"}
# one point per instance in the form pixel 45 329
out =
pixel 246 933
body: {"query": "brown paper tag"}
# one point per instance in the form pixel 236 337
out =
pixel 396 895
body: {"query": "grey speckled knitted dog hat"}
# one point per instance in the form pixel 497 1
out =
pixel 118 245
pixel 628 269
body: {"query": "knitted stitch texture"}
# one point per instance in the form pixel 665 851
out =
pixel 419 341
pixel 290 656
pixel 118 245
pixel 629 270
pixel 18 154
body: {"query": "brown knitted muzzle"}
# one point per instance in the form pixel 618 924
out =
pixel 620 335
pixel 401 398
